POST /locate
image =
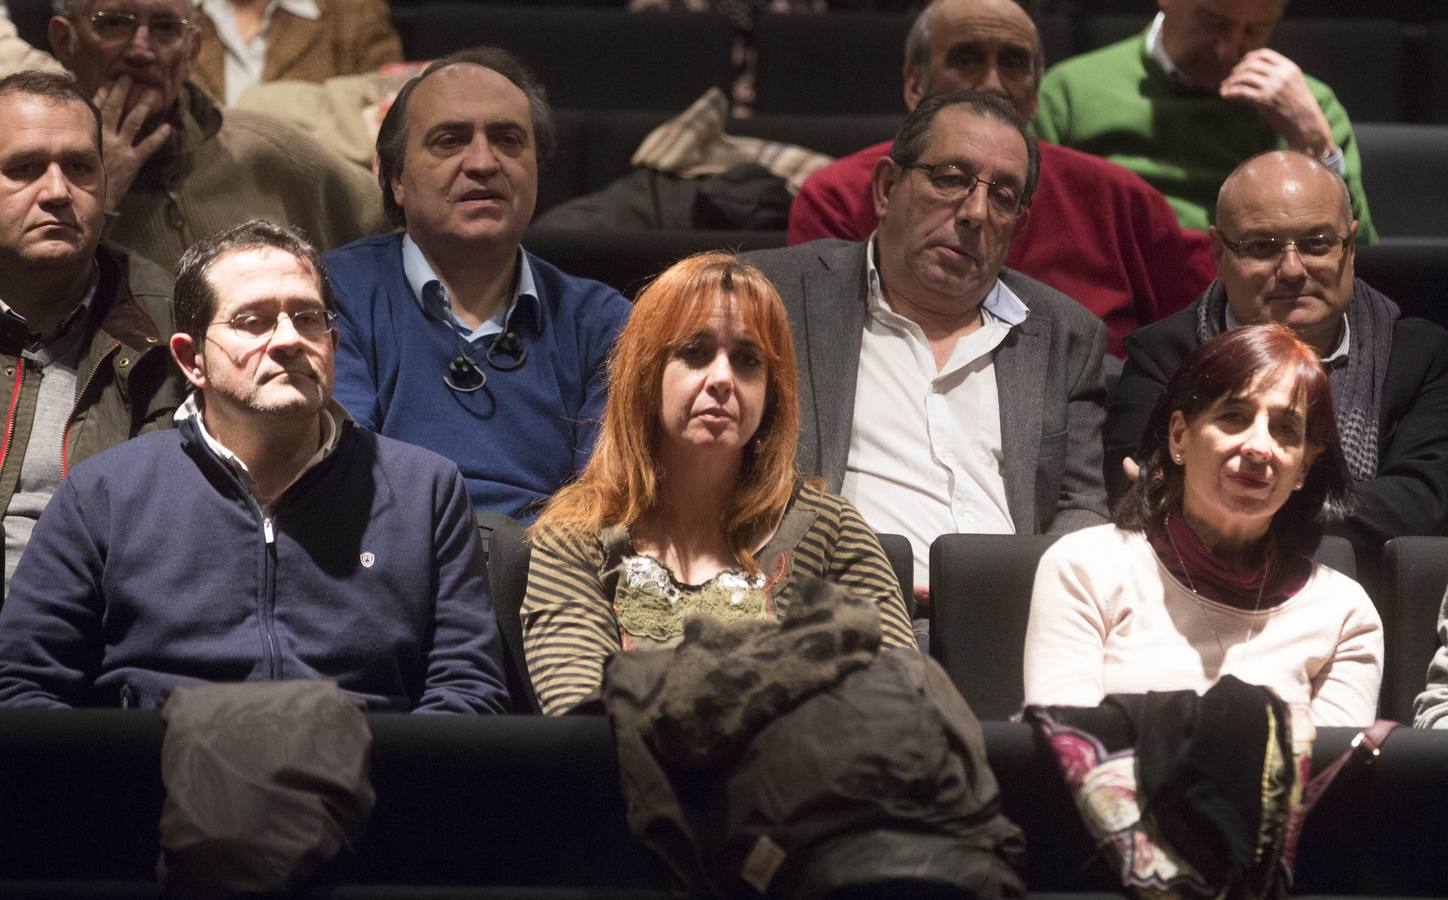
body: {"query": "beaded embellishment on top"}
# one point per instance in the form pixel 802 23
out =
pixel 651 604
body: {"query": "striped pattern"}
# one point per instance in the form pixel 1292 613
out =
pixel 569 627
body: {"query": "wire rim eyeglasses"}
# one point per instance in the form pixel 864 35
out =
pixel 308 323
pixel 953 183
pixel 1309 246
pixel 116 27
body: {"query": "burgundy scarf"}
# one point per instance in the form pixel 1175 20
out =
pixel 1216 578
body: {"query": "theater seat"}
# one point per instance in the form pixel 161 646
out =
pixel 1435 54
pixel 842 63
pixel 1405 178
pixel 626 260
pixel 1413 272
pixel 585 58
pixel 902 560
pixel 980 599
pixel 1413 578
pixel 508 553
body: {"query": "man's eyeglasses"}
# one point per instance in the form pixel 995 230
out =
pixel 954 184
pixel 1316 246
pixel 114 27
pixel 309 323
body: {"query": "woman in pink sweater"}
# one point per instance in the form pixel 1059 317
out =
pixel 1207 569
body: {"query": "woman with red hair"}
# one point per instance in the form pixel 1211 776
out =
pixel 690 503
pixel 1208 569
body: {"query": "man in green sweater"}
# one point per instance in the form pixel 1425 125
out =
pixel 1184 103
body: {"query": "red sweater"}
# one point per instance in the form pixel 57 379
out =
pixel 1096 232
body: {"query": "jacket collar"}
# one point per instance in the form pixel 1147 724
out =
pixel 195 120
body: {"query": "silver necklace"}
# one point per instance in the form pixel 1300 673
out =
pixel 1201 604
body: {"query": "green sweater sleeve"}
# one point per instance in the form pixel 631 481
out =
pixel 1346 141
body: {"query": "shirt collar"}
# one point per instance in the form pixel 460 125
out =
pixel 302 9
pixel 46 348
pixel 1339 352
pixel 432 295
pixel 1156 49
pixel 191 409
pixel 1001 303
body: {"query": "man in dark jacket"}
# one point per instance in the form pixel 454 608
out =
pixel 1285 243
pixel 82 325
pixel 266 537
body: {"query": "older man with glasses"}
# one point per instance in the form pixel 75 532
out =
pixel 264 538
pixel 180 169
pixel 939 391
pixel 1285 243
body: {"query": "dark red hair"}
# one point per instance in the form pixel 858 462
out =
pixel 1224 367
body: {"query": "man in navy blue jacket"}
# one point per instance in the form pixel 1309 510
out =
pixel 266 537
pixel 453 337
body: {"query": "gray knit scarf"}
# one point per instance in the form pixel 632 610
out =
pixel 1357 382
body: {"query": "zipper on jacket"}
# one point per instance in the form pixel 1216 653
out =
pixel 14 402
pixel 75 408
pixel 267 612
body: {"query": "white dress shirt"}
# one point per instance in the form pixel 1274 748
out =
pixel 245 61
pixel 925 451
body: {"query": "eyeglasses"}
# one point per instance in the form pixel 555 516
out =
pixel 309 323
pixel 1316 246
pixel 113 27
pixel 953 184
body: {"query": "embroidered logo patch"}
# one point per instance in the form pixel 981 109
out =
pixel 367 560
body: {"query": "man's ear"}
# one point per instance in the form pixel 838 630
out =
pixel 1219 246
pixel 914 88
pixel 883 179
pixel 187 353
pixel 1023 218
pixel 60 31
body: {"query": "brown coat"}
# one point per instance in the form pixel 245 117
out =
pixel 216 171
pixel 126 383
pixel 351 37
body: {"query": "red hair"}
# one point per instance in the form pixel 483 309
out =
pixel 619 486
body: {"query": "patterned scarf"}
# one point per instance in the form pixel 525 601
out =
pixel 1357 381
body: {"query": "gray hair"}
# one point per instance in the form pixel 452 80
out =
pixel 914 132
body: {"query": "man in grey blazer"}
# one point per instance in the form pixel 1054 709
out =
pixel 939 391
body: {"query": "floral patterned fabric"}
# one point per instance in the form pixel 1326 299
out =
pixel 1144 796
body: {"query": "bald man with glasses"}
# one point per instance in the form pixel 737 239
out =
pixel 1285 244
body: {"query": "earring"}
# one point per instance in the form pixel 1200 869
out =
pixel 1177 459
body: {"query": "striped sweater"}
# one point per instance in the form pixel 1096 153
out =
pixel 570 626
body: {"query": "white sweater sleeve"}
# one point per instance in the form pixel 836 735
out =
pixel 1345 691
pixel 1067 631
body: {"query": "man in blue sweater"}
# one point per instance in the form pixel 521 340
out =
pixel 453 337
pixel 266 537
